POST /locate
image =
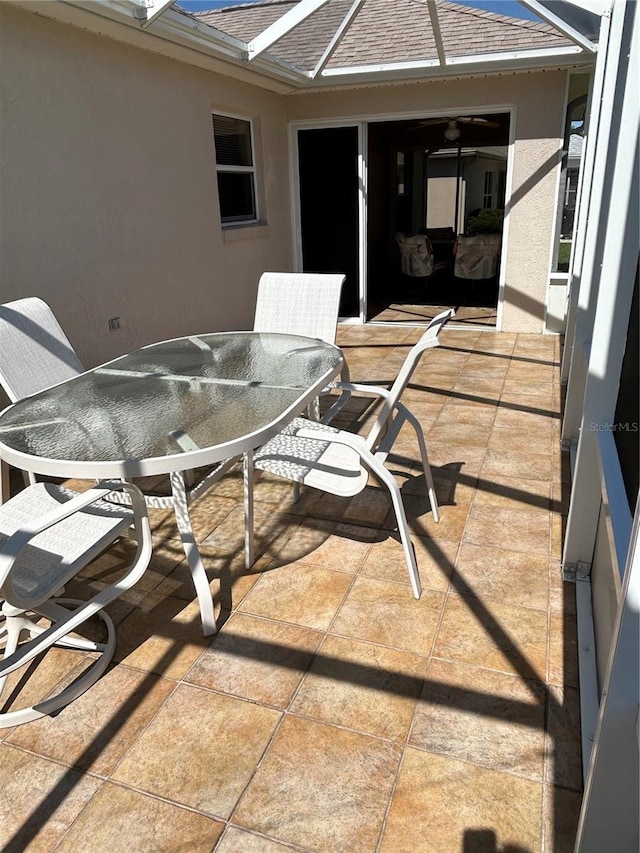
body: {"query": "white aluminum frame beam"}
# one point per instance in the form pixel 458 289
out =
pixel 558 24
pixel 479 62
pixel 581 306
pixel 337 38
pixel 282 26
pixel 596 7
pixel 146 11
pixel 613 265
pixel 437 34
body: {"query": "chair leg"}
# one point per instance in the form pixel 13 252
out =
pixel 401 518
pixel 428 476
pixel 72 691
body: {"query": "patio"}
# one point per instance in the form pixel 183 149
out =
pixel 333 712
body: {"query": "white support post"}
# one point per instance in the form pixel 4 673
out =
pixel 616 258
pixel 609 816
pixel 592 118
pixel 587 255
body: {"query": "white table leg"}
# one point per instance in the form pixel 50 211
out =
pixel 192 552
pixel 5 491
pixel 248 481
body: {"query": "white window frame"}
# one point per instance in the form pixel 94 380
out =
pixel 221 169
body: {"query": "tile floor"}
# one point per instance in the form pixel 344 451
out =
pixel 333 712
pixel 412 313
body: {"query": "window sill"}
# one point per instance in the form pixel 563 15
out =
pixel 249 231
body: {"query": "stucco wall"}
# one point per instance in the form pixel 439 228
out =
pixel 539 99
pixel 108 192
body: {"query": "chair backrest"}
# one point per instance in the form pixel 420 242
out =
pixel 34 351
pixel 429 339
pixel 299 304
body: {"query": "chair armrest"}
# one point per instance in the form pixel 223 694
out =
pixel 365 389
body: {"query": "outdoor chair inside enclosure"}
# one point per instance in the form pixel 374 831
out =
pixel 34 351
pixel 299 304
pixel 47 536
pixel 335 461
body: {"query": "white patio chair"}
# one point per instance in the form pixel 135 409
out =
pixel 47 536
pixel 34 351
pixel 299 304
pixel 339 462
pixel 292 303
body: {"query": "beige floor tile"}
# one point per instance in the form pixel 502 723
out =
pixel 118 819
pixel 558 526
pixel 256 659
pixel 95 731
pixel 455 457
pixel 498 490
pixel 510 577
pixel 322 788
pixel 384 612
pixel 519 440
pixel 303 594
pixel 455 432
pixel 496 636
pixel 563 758
pixel 517 464
pixel 164 635
pixel 368 688
pixel 470 415
pixel 531 388
pixel 327 544
pixel 562 594
pixel 205 514
pixel 435 557
pixel 371 507
pixel 229 580
pixel 237 840
pixel 488 718
pixel 40 800
pixel 510 529
pixel 113 563
pixel 45 677
pixel 200 750
pixel 442 805
pixel 561 813
pixel 508 418
pixel 563 649
pixel 452 522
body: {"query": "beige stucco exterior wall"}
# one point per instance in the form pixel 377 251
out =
pixel 108 191
pixel 539 101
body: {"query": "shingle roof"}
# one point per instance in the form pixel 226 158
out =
pixel 384 31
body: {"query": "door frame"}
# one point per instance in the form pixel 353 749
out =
pixel 362 122
pixel 296 218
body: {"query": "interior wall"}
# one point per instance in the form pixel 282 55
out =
pixel 108 189
pixel 539 101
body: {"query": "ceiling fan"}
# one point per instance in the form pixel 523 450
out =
pixel 452 130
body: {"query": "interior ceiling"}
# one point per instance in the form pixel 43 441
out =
pixel 412 133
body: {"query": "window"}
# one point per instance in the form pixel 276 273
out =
pixel 487 198
pixel 401 173
pixel 236 170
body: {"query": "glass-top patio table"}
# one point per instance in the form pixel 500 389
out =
pixel 168 408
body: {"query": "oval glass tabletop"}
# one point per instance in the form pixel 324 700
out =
pixel 203 397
